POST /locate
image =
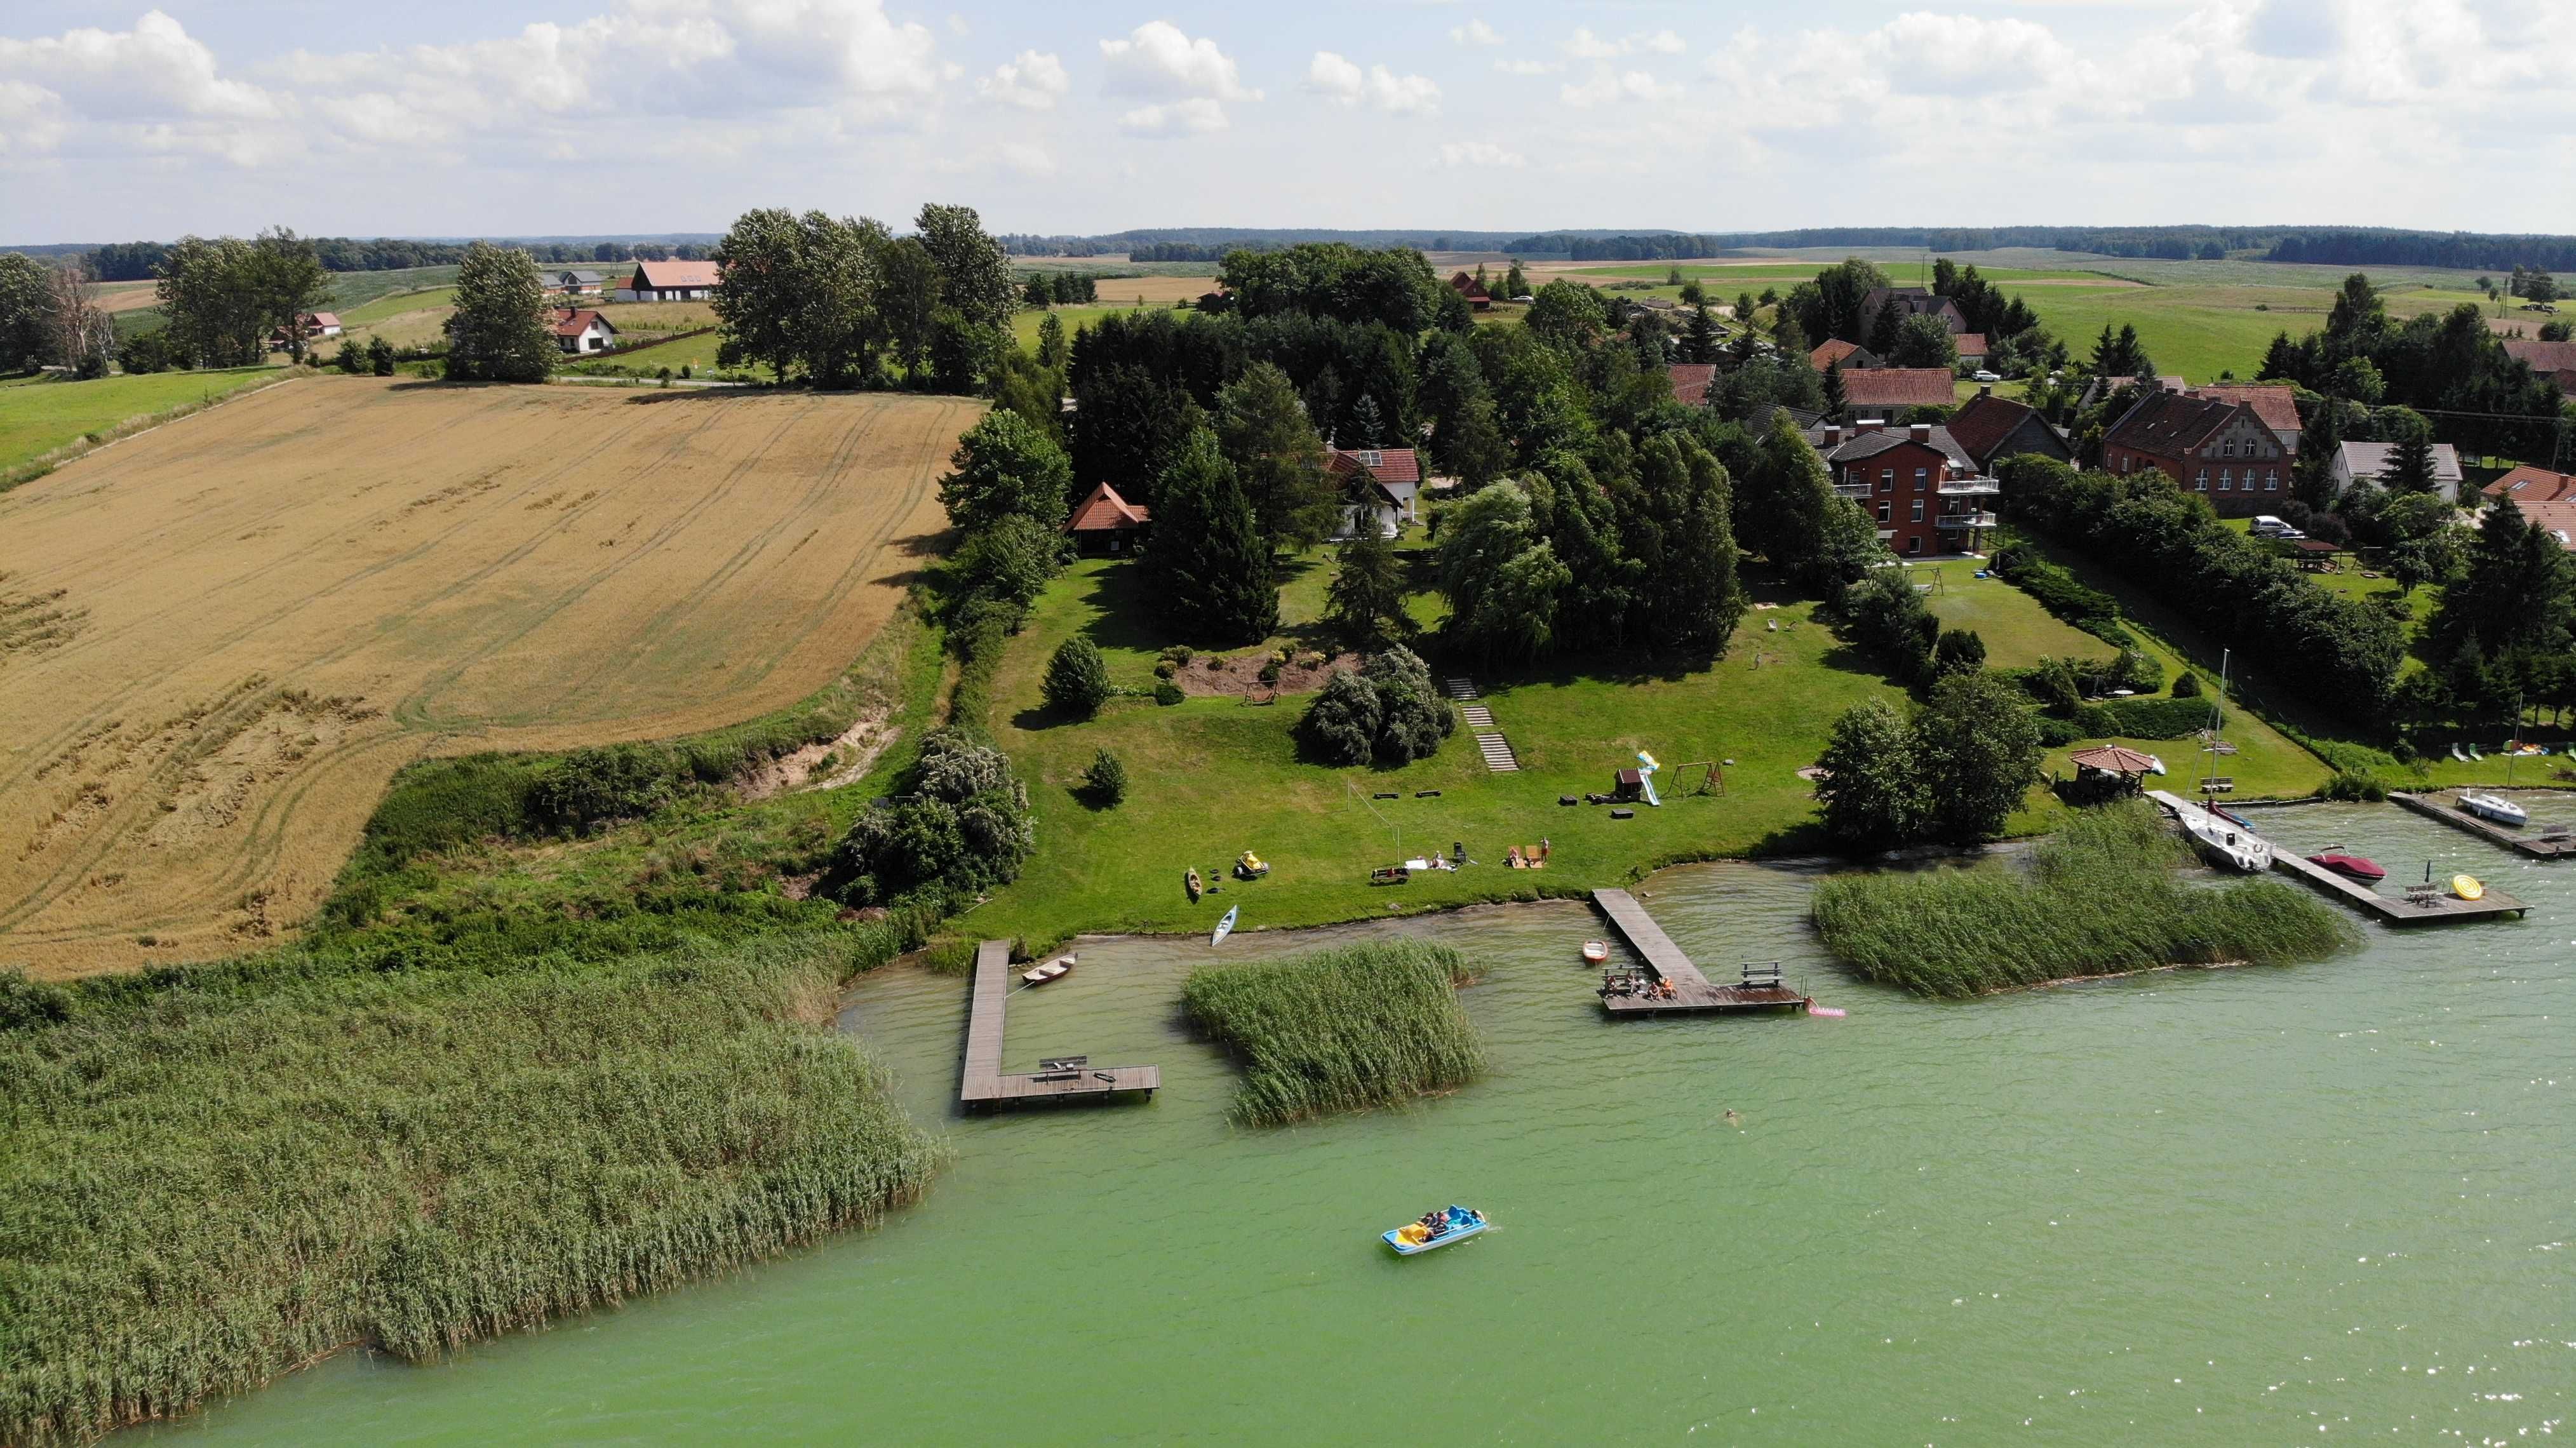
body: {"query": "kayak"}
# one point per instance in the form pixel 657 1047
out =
pixel 1225 927
pixel 1596 951
pixel 2467 887
pixel 1457 1224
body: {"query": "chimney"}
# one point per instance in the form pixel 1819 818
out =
pixel 1985 389
pixel 1920 432
pixel 1833 434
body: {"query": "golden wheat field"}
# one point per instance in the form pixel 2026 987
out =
pixel 220 639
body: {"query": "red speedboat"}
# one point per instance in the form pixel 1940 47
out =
pixel 2352 867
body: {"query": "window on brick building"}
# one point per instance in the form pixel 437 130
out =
pixel 1918 510
pixel 2201 482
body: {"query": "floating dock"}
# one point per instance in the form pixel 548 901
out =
pixel 982 1085
pixel 2449 812
pixel 1692 992
pixel 2422 907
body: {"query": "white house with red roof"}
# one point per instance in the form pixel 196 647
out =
pixel 583 330
pixel 1380 484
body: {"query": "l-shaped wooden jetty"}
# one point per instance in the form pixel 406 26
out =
pixel 1692 991
pixel 2421 907
pixel 982 1084
pixel 2538 847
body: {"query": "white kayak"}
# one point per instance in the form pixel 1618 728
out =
pixel 1224 927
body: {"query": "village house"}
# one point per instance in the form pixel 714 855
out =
pixel 1928 495
pixel 2367 462
pixel 1886 391
pixel 2527 485
pixel 1107 523
pixel 1992 428
pixel 2553 360
pixel 1473 290
pixel 315 325
pixel 1972 349
pixel 1691 381
pixel 1912 302
pixel 2216 450
pixel 2277 403
pixel 1835 352
pixel 576 282
pixel 671 281
pixel 583 330
pixel 1381 487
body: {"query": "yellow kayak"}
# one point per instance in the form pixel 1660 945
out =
pixel 2467 887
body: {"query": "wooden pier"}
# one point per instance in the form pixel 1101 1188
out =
pixel 1692 991
pixel 2449 812
pixel 983 1085
pixel 2421 907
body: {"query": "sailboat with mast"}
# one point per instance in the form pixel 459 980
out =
pixel 2221 841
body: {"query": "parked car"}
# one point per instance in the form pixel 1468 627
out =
pixel 2267 526
pixel 1982 375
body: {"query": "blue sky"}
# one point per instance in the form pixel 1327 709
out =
pixel 654 115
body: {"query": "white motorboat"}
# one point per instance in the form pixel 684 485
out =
pixel 2494 807
pixel 2227 845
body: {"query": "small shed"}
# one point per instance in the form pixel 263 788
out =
pixel 1628 784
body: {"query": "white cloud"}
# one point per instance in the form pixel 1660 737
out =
pixel 1587 46
pixel 1527 67
pixel 1158 60
pixel 1663 42
pixel 1377 87
pixel 154 88
pixel 1033 80
pixel 1609 87
pixel 1027 158
pixel 1475 32
pixel 1191 115
pixel 1479 153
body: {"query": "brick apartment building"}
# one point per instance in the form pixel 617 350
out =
pixel 2218 450
pixel 1919 483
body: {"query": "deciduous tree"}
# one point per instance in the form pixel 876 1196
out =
pixel 1979 753
pixel 498 332
pixel 1871 789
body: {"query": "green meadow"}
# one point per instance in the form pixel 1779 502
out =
pixel 47 412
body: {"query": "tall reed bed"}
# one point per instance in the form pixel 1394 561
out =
pixel 205 1188
pixel 2102 897
pixel 1344 1029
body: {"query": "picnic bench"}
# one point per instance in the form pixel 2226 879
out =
pixel 2222 784
pixel 1765 974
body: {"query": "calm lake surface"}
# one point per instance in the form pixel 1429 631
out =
pixel 2246 1206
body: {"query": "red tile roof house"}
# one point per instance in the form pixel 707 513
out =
pixel 2553 360
pixel 2216 450
pixel 1477 297
pixel 583 331
pixel 1972 348
pixel 671 281
pixel 1691 381
pixel 1851 356
pixel 1991 427
pixel 1928 495
pixel 316 324
pixel 1107 523
pixel 2277 403
pixel 1875 392
pixel 1381 484
pixel 2527 485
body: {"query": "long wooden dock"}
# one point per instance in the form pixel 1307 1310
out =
pixel 2538 847
pixel 2423 908
pixel 983 1085
pixel 1692 991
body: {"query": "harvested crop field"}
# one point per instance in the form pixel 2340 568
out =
pixel 219 640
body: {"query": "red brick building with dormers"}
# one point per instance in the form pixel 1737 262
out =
pixel 2218 450
pixel 1918 482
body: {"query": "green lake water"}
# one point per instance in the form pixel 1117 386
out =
pixel 2318 1203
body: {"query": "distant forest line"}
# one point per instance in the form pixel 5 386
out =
pixel 2327 245
pixel 2320 245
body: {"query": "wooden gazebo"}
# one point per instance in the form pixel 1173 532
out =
pixel 2106 763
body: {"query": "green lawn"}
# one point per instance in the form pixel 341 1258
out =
pixel 1214 777
pixel 697 353
pixel 394 304
pixel 44 415
pixel 1075 316
pixel 353 290
pixel 2017 631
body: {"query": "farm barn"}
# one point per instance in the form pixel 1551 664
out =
pixel 671 281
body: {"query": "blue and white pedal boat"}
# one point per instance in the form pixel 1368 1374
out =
pixel 1457 1224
